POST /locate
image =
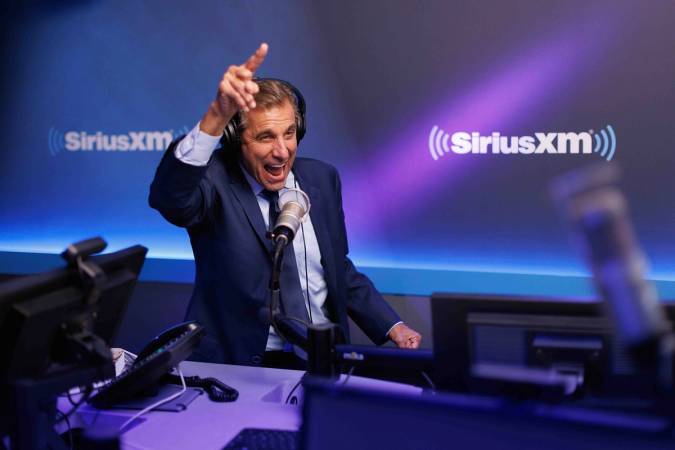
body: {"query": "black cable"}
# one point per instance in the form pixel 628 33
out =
pixel 95 419
pixel 295 319
pixel 429 381
pixel 70 429
pixel 304 245
pixel 294 388
pixel 77 404
pixel 214 388
pixel 98 410
pixel 70 399
pixel 349 374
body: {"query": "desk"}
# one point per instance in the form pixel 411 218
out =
pixel 209 425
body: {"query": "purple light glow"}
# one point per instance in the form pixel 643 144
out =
pixel 402 171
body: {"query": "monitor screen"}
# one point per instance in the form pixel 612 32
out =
pixel 561 336
pixel 35 309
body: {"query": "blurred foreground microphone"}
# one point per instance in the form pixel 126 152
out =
pixel 294 205
pixel 598 213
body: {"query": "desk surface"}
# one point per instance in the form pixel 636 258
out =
pixel 209 425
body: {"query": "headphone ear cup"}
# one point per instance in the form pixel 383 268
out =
pixel 301 130
pixel 302 108
pixel 231 140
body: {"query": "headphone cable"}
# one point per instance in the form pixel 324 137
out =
pixel 304 246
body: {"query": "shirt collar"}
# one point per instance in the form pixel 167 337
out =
pixel 258 188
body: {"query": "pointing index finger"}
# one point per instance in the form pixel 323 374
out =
pixel 256 59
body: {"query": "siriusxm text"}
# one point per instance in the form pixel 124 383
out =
pixel 133 141
pixel 549 143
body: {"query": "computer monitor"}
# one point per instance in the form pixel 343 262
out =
pixel 335 417
pixel 35 309
pixel 478 334
pixel 55 332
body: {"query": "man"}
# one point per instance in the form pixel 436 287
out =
pixel 226 200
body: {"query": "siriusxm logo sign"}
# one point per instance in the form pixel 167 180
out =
pixel 602 143
pixel 133 141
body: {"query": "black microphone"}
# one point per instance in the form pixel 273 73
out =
pixel 83 249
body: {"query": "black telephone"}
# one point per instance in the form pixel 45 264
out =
pixel 154 362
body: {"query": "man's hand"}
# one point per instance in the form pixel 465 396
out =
pixel 405 337
pixel 235 92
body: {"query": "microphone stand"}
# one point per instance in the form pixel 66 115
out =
pixel 317 340
pixel 288 328
pixel 325 343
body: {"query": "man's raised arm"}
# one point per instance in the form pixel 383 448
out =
pixel 180 191
pixel 235 92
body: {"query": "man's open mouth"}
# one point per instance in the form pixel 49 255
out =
pixel 275 169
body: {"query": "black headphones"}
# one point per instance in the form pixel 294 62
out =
pixel 231 139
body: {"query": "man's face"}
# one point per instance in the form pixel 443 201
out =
pixel 268 145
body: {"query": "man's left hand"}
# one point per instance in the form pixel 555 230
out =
pixel 405 337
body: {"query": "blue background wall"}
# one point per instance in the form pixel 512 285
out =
pixel 377 76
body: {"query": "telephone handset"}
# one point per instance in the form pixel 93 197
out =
pixel 170 334
pixel 215 389
pixel 155 361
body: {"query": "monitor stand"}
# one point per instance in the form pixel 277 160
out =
pixel 35 405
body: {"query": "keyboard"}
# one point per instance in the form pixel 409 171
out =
pixel 264 439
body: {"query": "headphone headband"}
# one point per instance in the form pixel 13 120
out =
pixel 231 139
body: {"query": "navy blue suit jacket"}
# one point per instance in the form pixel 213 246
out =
pixel 233 256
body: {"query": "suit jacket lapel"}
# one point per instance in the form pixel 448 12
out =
pixel 318 216
pixel 249 203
